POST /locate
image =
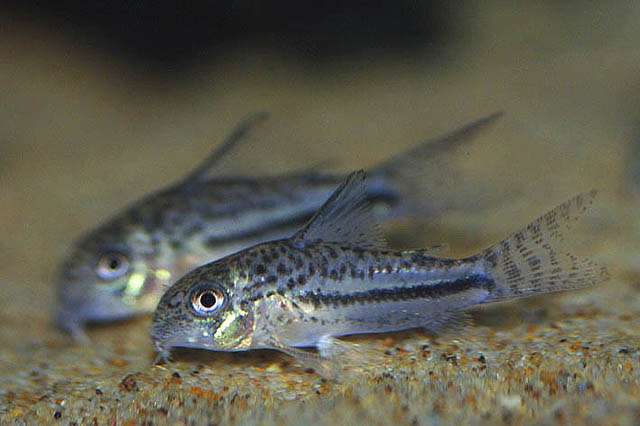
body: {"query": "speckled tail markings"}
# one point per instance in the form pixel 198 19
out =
pixel 530 262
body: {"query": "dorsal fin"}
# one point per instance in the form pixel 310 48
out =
pixel 346 217
pixel 433 149
pixel 238 134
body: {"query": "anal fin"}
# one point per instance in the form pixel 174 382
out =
pixel 448 323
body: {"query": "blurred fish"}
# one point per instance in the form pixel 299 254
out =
pixel 121 269
pixel 334 277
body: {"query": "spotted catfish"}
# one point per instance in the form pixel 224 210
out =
pixel 123 267
pixel 334 277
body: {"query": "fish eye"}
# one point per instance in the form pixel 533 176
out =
pixel 207 301
pixel 112 265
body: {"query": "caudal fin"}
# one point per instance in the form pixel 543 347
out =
pixel 425 175
pixel 530 262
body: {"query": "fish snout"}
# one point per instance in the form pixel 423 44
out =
pixel 161 336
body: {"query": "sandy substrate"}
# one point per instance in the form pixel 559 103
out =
pixel 82 137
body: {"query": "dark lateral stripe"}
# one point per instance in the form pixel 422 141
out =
pixel 397 294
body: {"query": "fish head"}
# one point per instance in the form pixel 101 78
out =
pixel 114 272
pixel 201 310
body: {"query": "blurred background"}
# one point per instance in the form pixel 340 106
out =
pixel 101 103
pixel 104 102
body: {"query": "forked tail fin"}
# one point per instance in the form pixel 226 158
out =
pixel 530 263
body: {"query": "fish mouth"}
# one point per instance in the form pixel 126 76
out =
pixel 165 340
pixel 68 321
pixel 73 315
pixel 75 324
pixel 163 349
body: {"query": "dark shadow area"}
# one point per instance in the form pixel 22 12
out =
pixel 173 36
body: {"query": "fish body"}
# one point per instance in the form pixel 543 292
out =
pixel 334 277
pixel 300 295
pixel 122 268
